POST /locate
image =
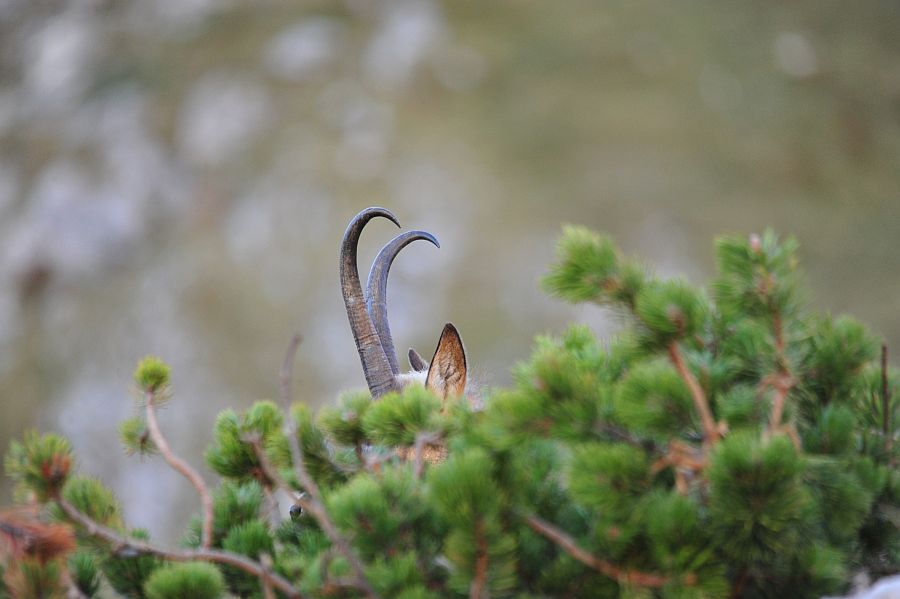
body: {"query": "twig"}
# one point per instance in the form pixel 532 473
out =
pixel 782 383
pixel 422 440
pixel 710 430
pixel 685 459
pixel 183 468
pixel 606 568
pixel 122 544
pixel 265 560
pixel 286 374
pixel 314 504
pixel 481 562
pixel 885 400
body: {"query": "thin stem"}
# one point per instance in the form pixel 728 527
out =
pixel 314 504
pixel 422 439
pixel 183 468
pixel 782 384
pixel 778 331
pixel 606 568
pixel 265 560
pixel 120 544
pixel 710 430
pixel 481 562
pixel 286 374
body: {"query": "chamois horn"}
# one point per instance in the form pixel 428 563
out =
pixel 376 368
pixel 376 289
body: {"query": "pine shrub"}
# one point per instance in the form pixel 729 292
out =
pixel 728 442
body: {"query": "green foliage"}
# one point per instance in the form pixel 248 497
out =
pixel 127 573
pixel 594 475
pixel 759 509
pixel 251 538
pixel 654 400
pixel 758 278
pixel 590 268
pixel 465 494
pixel 135 437
pixel 344 423
pixel 397 418
pixel 90 497
pixel 670 310
pixel 232 455
pixel 197 580
pixel 317 454
pixel 152 375
pixel 40 464
pixel 85 573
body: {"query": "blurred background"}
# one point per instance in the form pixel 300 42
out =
pixel 175 177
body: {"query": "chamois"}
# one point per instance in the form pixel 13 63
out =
pixel 446 374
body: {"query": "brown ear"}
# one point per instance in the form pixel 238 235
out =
pixel 416 361
pixel 447 373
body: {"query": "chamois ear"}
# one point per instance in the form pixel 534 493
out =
pixel 447 373
pixel 416 362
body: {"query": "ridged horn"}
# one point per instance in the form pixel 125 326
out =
pixel 376 289
pixel 376 368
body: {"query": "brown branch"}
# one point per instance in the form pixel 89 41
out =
pixel 265 560
pixel 710 430
pixel 606 568
pixel 183 468
pixel 481 562
pixel 778 331
pixel 422 440
pixel 314 504
pixel 782 383
pixel 123 544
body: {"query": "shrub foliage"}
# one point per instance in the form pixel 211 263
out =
pixel 727 443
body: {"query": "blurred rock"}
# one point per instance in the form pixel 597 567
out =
pixel 459 68
pixel 57 59
pixel 222 114
pixel 408 30
pixel 72 229
pixel 795 55
pixel 305 49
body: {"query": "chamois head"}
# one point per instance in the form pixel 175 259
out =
pixel 446 375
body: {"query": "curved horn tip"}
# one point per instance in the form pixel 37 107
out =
pixel 373 211
pixel 429 237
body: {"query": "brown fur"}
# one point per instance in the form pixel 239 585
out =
pixel 447 372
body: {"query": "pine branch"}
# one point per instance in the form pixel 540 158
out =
pixel 783 381
pixel 122 544
pixel 265 561
pixel 606 568
pixel 314 504
pixel 710 430
pixel 183 468
pixel 423 439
